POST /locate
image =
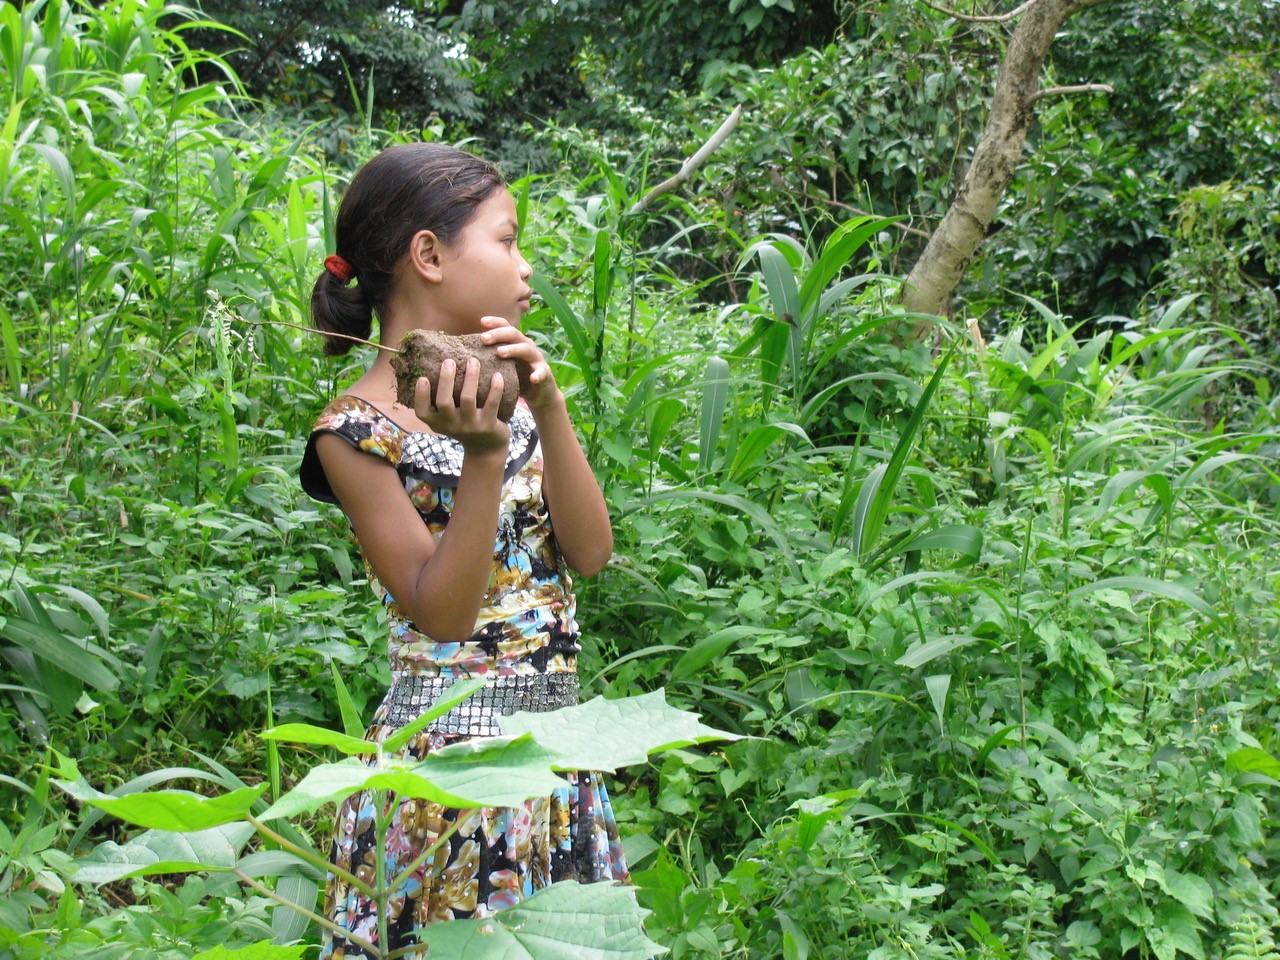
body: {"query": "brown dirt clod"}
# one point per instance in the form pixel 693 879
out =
pixel 422 352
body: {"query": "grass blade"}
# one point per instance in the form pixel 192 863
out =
pixel 878 509
pixel 715 394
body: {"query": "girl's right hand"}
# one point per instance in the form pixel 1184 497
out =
pixel 476 427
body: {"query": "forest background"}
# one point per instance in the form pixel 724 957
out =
pixel 991 598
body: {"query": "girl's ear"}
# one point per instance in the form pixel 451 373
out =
pixel 425 257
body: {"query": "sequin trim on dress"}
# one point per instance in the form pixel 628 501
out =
pixel 412 695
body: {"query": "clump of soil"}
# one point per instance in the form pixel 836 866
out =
pixel 422 352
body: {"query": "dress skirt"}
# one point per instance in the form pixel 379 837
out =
pixel 496 858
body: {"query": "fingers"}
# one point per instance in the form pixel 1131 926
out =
pixel 444 389
pixel 511 344
pixel 494 400
pixel 460 400
pixel 422 402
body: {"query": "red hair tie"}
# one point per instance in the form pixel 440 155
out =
pixel 339 268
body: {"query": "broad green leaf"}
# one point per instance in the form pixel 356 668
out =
pixel 598 921
pixel 159 852
pixel 583 354
pixel 357 746
pixel 493 771
pixel 862 506
pixel 795 943
pixel 906 580
pixel 351 724
pixel 180 810
pixel 938 685
pixel 288 922
pixel 1253 760
pixel 609 734
pixel 757 442
pixel 1175 931
pixel 276 863
pixel 1192 891
pixel 963 538
pixel 9 336
pixel 62 173
pixel 837 251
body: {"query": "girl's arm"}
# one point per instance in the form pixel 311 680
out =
pixel 439 586
pixel 578 513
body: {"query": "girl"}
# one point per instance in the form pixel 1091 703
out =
pixel 453 511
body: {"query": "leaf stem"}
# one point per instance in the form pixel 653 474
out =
pixel 310 856
pixel 325 922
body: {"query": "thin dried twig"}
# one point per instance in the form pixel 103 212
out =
pixel 323 333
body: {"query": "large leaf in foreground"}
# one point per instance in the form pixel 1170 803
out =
pixel 608 734
pixel 492 772
pixel 265 950
pixel 180 811
pixel 596 921
pixel 160 851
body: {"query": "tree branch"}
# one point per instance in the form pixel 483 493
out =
pixel 690 165
pixel 1078 88
pixel 973 18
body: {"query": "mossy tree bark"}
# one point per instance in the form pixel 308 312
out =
pixel 955 242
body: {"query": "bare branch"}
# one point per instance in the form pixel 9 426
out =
pixel 690 165
pixel 1078 88
pixel 973 18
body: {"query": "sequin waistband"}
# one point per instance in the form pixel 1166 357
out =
pixel 411 695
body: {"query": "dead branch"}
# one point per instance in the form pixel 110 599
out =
pixel 974 18
pixel 693 163
pixel 1078 88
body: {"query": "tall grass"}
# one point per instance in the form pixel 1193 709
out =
pixel 1000 620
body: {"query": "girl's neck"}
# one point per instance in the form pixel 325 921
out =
pixel 378 385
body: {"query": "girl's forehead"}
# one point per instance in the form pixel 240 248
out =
pixel 500 205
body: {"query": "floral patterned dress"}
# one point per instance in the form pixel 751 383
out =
pixel 526 626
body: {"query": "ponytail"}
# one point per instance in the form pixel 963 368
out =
pixel 340 308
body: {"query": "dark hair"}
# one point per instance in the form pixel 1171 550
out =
pixel 410 187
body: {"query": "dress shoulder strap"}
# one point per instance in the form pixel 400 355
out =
pixel 363 426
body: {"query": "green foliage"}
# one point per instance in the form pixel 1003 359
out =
pixel 320 58
pixel 994 622
pixel 189 832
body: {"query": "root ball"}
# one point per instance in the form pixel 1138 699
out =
pixel 422 352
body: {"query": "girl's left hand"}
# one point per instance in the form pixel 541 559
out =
pixel 514 345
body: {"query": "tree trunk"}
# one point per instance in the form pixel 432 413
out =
pixel 955 242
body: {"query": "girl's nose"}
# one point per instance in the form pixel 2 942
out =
pixel 526 271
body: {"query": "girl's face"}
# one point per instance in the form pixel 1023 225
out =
pixel 482 271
